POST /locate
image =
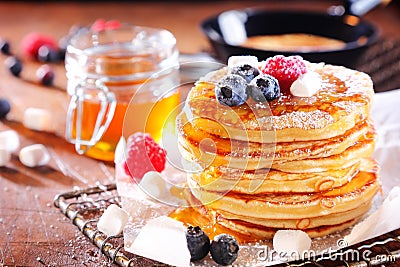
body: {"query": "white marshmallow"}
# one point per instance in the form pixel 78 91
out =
pixel 306 85
pixel 34 155
pixel 5 157
pixel 9 140
pixel 153 184
pixel 113 220
pixel 163 239
pixel 38 119
pixel 383 220
pixel 234 61
pixel 294 242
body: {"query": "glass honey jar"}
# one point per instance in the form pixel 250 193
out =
pixel 121 81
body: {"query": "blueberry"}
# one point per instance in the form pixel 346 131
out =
pixel 264 87
pixel 48 54
pixel 14 65
pixel 61 54
pixel 4 47
pixel 198 243
pixel 5 108
pixel 62 46
pixel 246 71
pixel 45 75
pixel 231 90
pixel 224 249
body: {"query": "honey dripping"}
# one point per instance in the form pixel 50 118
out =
pixel 208 223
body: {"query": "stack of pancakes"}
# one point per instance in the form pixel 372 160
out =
pixel 293 163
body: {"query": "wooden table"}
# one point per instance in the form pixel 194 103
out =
pixel 32 231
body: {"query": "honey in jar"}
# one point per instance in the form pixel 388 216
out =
pixel 121 81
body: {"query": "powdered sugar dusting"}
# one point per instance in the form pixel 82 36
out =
pixel 344 92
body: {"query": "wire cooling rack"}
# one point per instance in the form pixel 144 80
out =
pixel 85 206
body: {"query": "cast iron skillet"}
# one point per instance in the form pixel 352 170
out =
pixel 263 22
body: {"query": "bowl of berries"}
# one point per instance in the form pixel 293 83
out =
pixel 330 37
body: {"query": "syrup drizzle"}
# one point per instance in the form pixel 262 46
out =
pixel 209 224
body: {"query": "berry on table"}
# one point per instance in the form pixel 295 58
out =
pixel 231 90
pixel 264 88
pixel 33 41
pixel 98 25
pixel 198 243
pixel 101 25
pixel 14 65
pixel 5 108
pixel 224 249
pixel 285 69
pixel 63 44
pixel 45 75
pixel 113 24
pixel 246 71
pixel 48 54
pixel 143 155
pixel 5 47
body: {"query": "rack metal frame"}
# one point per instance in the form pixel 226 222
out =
pixel 76 205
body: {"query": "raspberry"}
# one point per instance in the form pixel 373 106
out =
pixel 98 25
pixel 113 24
pixel 33 41
pixel 101 25
pixel 144 155
pixel 285 69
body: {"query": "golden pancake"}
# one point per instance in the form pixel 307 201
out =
pixel 294 42
pixel 313 156
pixel 266 233
pixel 214 223
pixel 361 189
pixel 221 179
pixel 304 223
pixel 343 101
pixel 361 149
pixel 193 139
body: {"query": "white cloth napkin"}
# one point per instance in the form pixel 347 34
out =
pixel 386 115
